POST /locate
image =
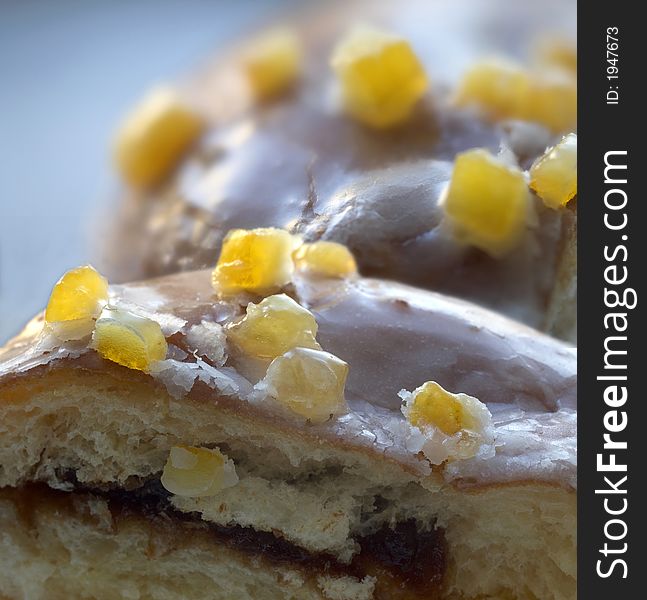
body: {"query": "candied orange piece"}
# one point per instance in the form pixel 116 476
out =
pixel 328 259
pixel 274 326
pixel 381 78
pixel 455 426
pixel 154 137
pixel 308 382
pixel 128 339
pixel 505 90
pixel 487 201
pixel 272 62
pixel 551 100
pixel 496 85
pixel 197 472
pixel 75 302
pixel 254 260
pixel 554 175
pixel 557 51
pixel 433 405
pixel 79 294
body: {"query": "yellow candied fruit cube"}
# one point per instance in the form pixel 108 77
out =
pixel 154 137
pixel 308 382
pixel 79 294
pixel 554 175
pixel 274 326
pixel 381 77
pixel 454 426
pixel 505 90
pixel 551 100
pixel 128 339
pixel 487 202
pixel 497 85
pixel 272 62
pixel 557 51
pixel 254 260
pixel 328 259
pixel 432 405
pixel 197 472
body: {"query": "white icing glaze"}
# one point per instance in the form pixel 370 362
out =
pixel 145 302
pixel 179 378
pixel 209 341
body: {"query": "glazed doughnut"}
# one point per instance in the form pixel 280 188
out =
pixel 345 370
pixel 297 160
pixel 357 497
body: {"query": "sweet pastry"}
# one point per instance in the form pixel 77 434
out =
pixel 298 421
pixel 283 428
pixel 354 136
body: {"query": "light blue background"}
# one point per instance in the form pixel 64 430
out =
pixel 69 69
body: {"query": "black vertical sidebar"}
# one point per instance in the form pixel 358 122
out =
pixel 612 339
